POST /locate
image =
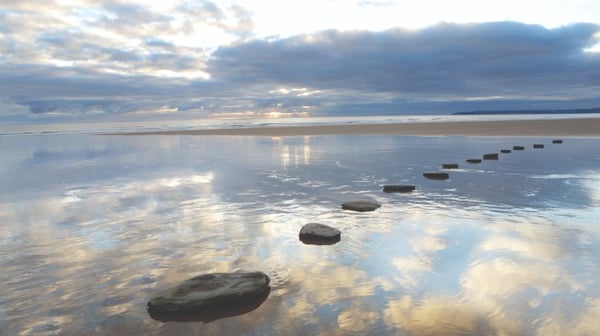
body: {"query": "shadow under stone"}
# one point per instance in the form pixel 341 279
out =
pixel 213 313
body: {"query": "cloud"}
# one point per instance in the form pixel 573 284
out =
pixel 75 93
pixel 112 57
pixel 490 59
pixel 117 36
pixel 200 58
pixel 235 19
pixel 442 68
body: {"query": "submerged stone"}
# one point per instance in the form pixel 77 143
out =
pixel 474 160
pixel 450 165
pixel 360 206
pixel 319 234
pixel 492 156
pixel 210 296
pixel 437 176
pixel 398 188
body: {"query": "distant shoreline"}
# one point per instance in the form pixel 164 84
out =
pixel 513 112
pixel 576 127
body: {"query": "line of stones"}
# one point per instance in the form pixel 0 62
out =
pixel 320 234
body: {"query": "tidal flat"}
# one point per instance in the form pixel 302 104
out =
pixel 93 226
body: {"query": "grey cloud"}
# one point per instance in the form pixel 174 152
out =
pixel 75 106
pixel 27 21
pixel 158 43
pixel 32 85
pixel 76 46
pixel 501 58
pixel 233 19
pixel 244 24
pixel 39 36
pixel 96 71
pixel 53 93
pixel 44 81
pixel 128 12
pixel 204 9
pixel 90 104
pixel 434 70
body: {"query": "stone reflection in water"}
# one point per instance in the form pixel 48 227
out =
pixel 92 227
pixel 210 297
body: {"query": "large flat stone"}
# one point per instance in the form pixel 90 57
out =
pixel 450 165
pixel 319 234
pixel 210 296
pixel 436 175
pixel 398 188
pixel 361 206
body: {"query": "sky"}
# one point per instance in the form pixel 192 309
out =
pixel 82 60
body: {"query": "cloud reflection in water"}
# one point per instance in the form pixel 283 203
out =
pixel 91 227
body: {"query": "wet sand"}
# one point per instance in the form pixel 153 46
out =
pixel 582 127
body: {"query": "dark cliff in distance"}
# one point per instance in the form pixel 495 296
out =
pixel 570 111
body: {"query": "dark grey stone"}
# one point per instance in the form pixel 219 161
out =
pixel 474 160
pixel 210 296
pixel 538 146
pixel 492 156
pixel 398 188
pixel 450 165
pixel 505 151
pixel 518 148
pixel 319 234
pixel 557 141
pixel 360 206
pixel 437 176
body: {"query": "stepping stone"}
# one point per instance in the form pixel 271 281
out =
pixel 492 156
pixel 474 160
pixel 211 296
pixel 518 148
pixel 557 141
pixel 398 188
pixel 436 176
pixel 450 165
pixel 361 206
pixel 505 151
pixel 538 146
pixel 319 234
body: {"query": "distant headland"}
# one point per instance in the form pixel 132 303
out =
pixel 567 111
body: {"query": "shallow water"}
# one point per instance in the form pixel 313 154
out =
pixel 92 226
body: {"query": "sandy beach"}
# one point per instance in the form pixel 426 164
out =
pixel 583 127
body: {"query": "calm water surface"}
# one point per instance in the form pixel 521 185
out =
pixel 92 226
